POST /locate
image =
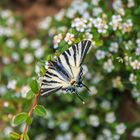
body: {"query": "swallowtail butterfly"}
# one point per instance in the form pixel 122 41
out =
pixel 66 72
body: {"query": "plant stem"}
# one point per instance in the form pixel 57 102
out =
pixel 30 115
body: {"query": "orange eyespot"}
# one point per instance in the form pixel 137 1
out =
pixel 73 82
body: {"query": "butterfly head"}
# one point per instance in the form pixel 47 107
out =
pixel 76 84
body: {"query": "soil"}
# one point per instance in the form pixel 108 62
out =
pixel 34 11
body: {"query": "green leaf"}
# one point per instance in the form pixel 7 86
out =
pixel 49 57
pixel 99 43
pixel 40 110
pixel 14 135
pixel 29 120
pixel 30 94
pixel 34 86
pixel 26 137
pixel 20 118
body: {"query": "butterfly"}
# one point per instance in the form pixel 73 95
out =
pixel 66 72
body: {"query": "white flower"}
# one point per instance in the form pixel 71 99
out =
pixel 69 38
pixel 100 54
pixel 5 13
pixel 128 45
pixel 85 69
pixel 133 78
pixel 28 58
pixel 67 136
pixel 46 65
pixel 135 93
pixel 107 133
pixel 94 120
pixel 2 31
pixel 37 69
pixel 45 23
pixel 95 2
pixel 79 24
pixel 10 43
pixel 96 11
pixel 118 7
pixel 120 128
pixel 71 13
pixel 24 90
pixel 80 9
pixel 7 130
pixel 86 15
pixel 100 24
pixel 41 137
pixel 59 16
pixel 93 90
pixel 97 78
pixel 108 66
pixel 57 38
pixel 11 21
pixel 80 136
pixel 114 47
pixel 138 42
pixel 64 126
pixel 138 51
pixel 88 36
pixel 130 3
pixel 127 26
pixel 15 56
pixel 11 84
pixel 62 29
pixel 24 43
pixel 92 105
pixel 35 43
pixel 100 137
pixel 136 132
pixel 39 52
pixel 116 22
pixel 2 90
pixel 5 60
pixel 135 64
pixel 116 137
pixel 51 123
pixel 6 104
pixel 117 82
pixel 106 105
pixel 6 31
pixel 110 117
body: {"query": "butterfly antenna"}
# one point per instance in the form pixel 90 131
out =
pixel 79 97
pixel 86 87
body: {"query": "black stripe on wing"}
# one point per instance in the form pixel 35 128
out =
pixel 61 70
pixel 85 47
pixel 67 59
pixel 75 53
pixel 48 91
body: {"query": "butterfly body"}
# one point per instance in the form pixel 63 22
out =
pixel 66 72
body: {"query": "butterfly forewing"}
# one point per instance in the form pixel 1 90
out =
pixel 65 68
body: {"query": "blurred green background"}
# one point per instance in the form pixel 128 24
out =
pixel 29 32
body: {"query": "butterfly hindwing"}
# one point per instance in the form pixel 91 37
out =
pixel 65 68
pixel 54 79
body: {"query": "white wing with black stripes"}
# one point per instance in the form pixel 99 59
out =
pixel 65 68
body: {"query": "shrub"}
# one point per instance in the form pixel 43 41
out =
pixel 111 71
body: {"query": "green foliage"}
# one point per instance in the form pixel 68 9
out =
pixel 111 72
pixel 34 86
pixel 20 118
pixel 26 137
pixel 40 110
pixel 14 135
